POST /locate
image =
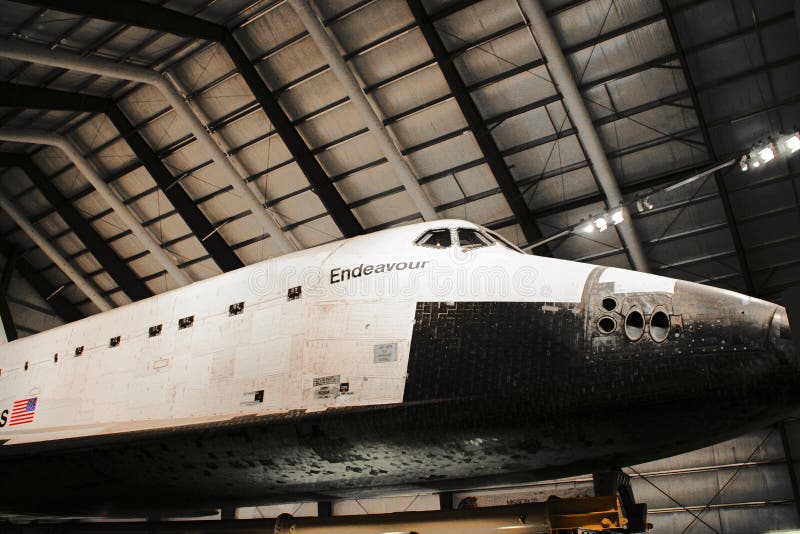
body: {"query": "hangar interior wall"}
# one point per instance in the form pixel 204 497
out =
pixel 740 485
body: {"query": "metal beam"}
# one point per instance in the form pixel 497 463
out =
pixel 24 51
pixel 61 306
pixel 110 196
pixel 250 107
pixel 28 96
pixel 54 254
pixel 146 15
pixel 423 180
pixel 481 132
pixel 628 189
pixel 358 99
pixel 718 178
pixel 428 179
pixel 120 271
pixel 319 180
pixel 5 282
pixel 219 250
pixel 564 80
pixel 140 14
pixel 24 96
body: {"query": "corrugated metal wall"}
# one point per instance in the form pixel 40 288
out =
pixel 740 486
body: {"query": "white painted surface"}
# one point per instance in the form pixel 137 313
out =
pixel 299 352
pixel 635 282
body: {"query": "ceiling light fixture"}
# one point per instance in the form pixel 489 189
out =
pixel 601 224
pixel 763 154
pixel 792 143
pixel 744 163
pixel 767 153
pixel 644 204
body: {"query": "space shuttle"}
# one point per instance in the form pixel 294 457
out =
pixel 430 357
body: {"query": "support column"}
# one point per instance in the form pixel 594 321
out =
pixel 564 80
pixel 446 501
pixel 325 509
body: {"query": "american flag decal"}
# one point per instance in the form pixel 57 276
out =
pixel 22 412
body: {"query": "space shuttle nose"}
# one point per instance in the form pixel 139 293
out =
pixel 731 353
pixel 748 344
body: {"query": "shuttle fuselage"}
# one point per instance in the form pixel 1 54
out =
pixel 428 356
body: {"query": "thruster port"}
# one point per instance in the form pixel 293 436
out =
pixel 606 325
pixel 659 326
pixel 634 325
pixel 609 304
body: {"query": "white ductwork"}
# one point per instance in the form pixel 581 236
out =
pixel 55 256
pixel 105 191
pixel 359 99
pixel 15 49
pixel 573 100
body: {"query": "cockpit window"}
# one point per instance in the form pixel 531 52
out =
pixel 471 238
pixel 438 238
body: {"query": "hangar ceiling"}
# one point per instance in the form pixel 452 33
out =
pixel 673 88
